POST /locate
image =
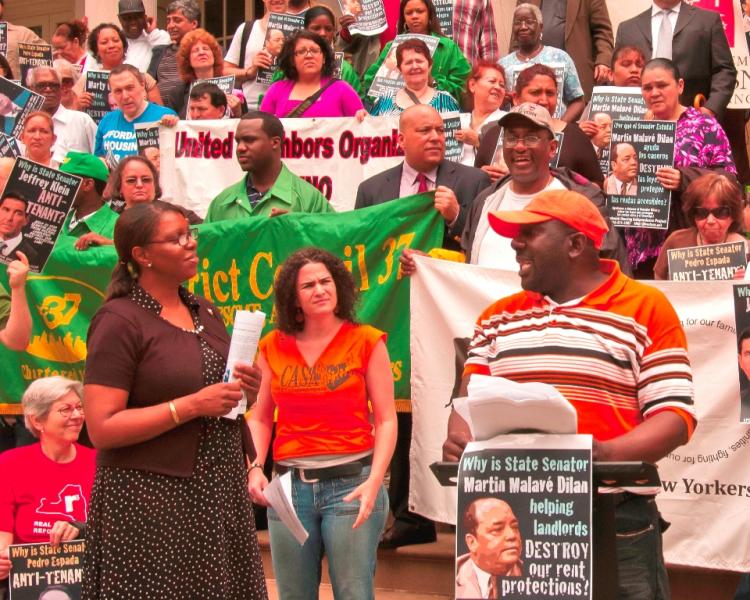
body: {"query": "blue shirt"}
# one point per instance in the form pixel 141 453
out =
pixel 116 135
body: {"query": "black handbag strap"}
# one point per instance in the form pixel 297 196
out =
pixel 246 30
pixel 412 96
pixel 308 102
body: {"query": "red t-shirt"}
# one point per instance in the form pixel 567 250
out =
pixel 322 409
pixel 36 491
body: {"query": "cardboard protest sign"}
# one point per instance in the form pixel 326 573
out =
pixel 16 103
pixel 38 569
pixel 637 150
pixel 370 15
pixel 511 74
pixel 707 263
pixel 524 518
pixel 34 205
pixel 608 104
pixel 280 27
pixel 444 9
pixel 388 79
pixel 33 55
pixel 453 148
pixel 97 84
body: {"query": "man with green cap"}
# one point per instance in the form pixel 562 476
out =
pixel 90 220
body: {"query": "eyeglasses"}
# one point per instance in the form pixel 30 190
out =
pixel 721 212
pixel 182 240
pixel 145 180
pixel 530 141
pixel 46 85
pixel 313 51
pixel 522 22
pixel 67 411
pixel 67 82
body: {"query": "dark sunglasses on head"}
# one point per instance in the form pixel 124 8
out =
pixel 721 212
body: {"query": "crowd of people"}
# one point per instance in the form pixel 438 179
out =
pixel 167 491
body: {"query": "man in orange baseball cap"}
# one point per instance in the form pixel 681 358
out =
pixel 611 345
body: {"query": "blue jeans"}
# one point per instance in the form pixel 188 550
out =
pixel 640 560
pixel 328 519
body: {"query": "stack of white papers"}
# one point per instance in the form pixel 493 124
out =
pixel 278 493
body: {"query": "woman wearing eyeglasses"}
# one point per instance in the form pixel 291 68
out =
pixel 309 90
pixel 46 486
pixel 170 513
pixel 713 205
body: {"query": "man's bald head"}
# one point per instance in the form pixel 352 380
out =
pixel 422 137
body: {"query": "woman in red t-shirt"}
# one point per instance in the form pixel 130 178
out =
pixel 329 380
pixel 46 487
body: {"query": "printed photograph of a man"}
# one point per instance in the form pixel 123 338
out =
pixel 743 358
pixel 623 178
pixel 493 539
pixel 13 219
pixel 274 42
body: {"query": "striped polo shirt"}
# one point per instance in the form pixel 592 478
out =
pixel 618 354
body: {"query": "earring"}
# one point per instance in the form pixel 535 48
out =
pixel 149 265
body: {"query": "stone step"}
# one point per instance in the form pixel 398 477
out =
pixel 421 572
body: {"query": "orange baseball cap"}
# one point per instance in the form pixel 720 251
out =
pixel 572 208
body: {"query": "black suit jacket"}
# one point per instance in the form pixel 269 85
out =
pixel 466 183
pixel 699 49
pixel 28 249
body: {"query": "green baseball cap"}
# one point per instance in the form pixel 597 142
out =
pixel 85 165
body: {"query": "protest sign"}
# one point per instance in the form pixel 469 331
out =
pixel 8 147
pixel 637 150
pixel 33 55
pixel 742 326
pixel 369 14
pixel 704 481
pixel 97 84
pixel 453 148
pixel 38 569
pixel 279 28
pixel 388 79
pixel 147 137
pixel 4 38
pixel 511 74
pixel 44 196
pixel 333 154
pixel 707 263
pixel 225 84
pixel 238 262
pixel 444 10
pixel 16 103
pixel 533 492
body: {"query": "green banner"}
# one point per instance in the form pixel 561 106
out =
pixel 238 261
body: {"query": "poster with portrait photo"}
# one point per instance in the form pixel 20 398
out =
pixel 609 104
pixel 9 147
pixel 16 102
pixel 280 27
pixel 444 10
pixel 523 526
pixel 742 327
pixel 388 79
pixel 41 572
pixel 33 207
pixel 97 84
pixel 636 151
pixel 147 137
pixel 33 55
pixel 369 15
pixel 511 74
pixel 224 83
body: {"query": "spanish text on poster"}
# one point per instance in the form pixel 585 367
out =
pixel 537 490
pixel 33 55
pixel 97 84
pixel 444 9
pixel 280 26
pixel 44 196
pixel 453 148
pixel 637 150
pixel 707 263
pixel 38 569
pixel 16 102
pixel 388 79
pixel 369 15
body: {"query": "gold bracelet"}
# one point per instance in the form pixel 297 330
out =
pixel 173 410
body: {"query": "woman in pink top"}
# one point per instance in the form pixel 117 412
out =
pixel 309 90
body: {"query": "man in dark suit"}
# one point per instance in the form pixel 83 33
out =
pixel 13 219
pixel 699 49
pixel 422 138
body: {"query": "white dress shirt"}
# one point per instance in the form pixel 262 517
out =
pixel 75 130
pixel 409 183
pixel 656 16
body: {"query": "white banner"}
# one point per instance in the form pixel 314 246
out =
pixel 198 157
pixel 706 483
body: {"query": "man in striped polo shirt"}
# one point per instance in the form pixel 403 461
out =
pixel 611 345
